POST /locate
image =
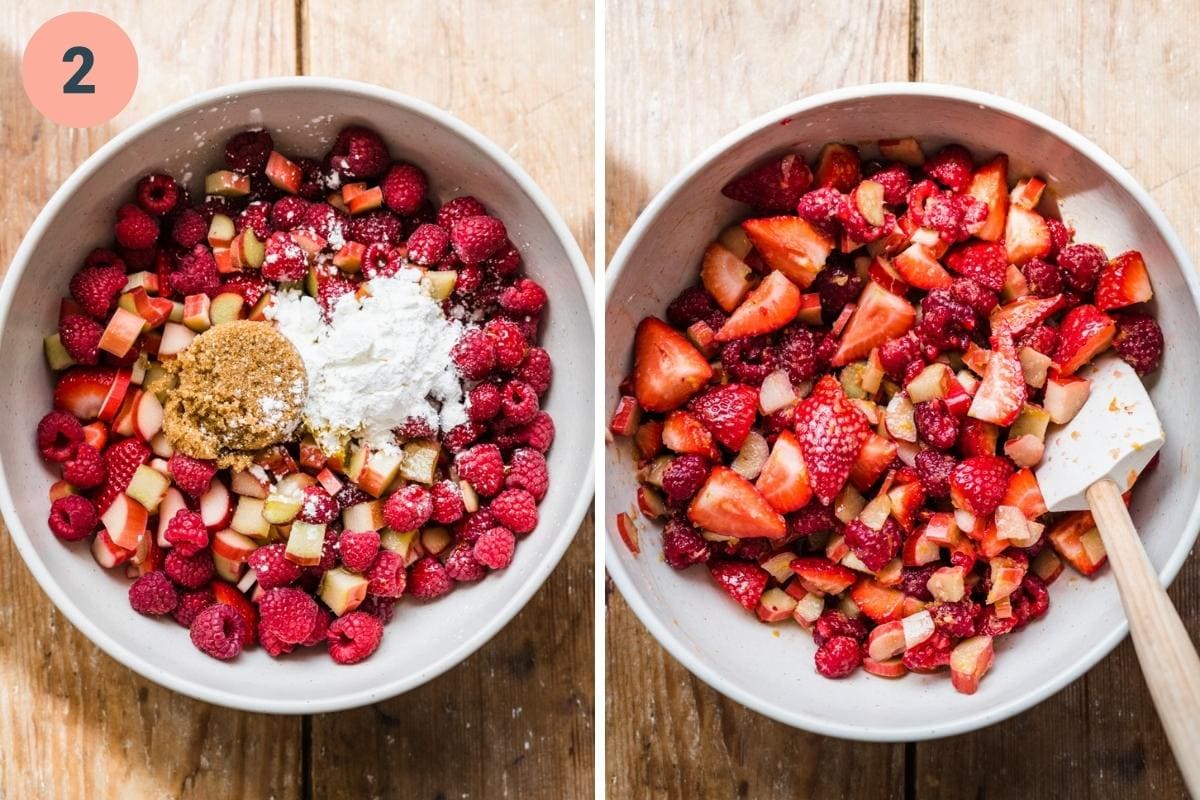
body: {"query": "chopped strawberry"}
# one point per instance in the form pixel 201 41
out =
pixel 729 504
pixel 769 306
pixel 728 412
pixel 725 276
pixel 683 433
pixel 822 575
pixel 1024 493
pixel 906 502
pixel 990 184
pixel 1085 332
pixel 1021 315
pixel 667 369
pixel 229 595
pixel 838 167
pixel 984 262
pixel 1001 395
pixel 790 245
pixel 743 581
pixel 880 316
pixel 877 454
pixel 82 390
pixel 1026 235
pixel 1123 282
pixel 1070 537
pixel 877 602
pixel 919 268
pixel 773 186
pixel 831 431
pixel 979 483
pixel 784 481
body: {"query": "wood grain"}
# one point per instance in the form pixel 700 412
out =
pixel 73 722
pixel 678 77
pixel 515 720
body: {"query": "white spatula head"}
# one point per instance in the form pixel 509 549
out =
pixel 1113 436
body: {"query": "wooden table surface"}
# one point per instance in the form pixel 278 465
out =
pixel 515 720
pixel 678 77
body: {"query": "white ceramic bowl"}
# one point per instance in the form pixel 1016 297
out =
pixel 186 140
pixel 770 668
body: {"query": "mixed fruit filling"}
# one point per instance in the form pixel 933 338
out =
pixel 841 420
pixel 284 405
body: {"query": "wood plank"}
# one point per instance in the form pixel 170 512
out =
pixel 678 77
pixel 514 720
pixel 73 722
pixel 1100 737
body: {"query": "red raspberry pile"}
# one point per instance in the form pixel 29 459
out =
pixel 304 547
pixel 841 419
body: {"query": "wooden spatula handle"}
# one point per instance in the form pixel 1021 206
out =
pixel 1168 658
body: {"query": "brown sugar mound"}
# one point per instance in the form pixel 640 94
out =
pixel 241 389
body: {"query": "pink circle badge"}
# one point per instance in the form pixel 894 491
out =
pixel 79 69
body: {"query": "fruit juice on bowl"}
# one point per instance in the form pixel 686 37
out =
pixel 837 417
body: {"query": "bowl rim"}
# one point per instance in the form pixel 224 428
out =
pixel 333 702
pixel 641 227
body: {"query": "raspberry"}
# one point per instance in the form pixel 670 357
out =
pixel 914 581
pixel 978 484
pixel 324 220
pixel 458 209
pixel 427 244
pixel 1044 278
pixel 895 181
pixel 811 520
pixel 683 545
pixel 312 179
pixel 476 238
pixel 684 476
pixel 80 336
pixel 248 151
pixel 875 548
pixel 96 289
pixel 821 208
pixel 1082 264
pixel 428 579
pixel 857 227
pixel 515 509
pixel 382 608
pixel 896 354
pixel 358 153
pixel 376 226
pixel 191 475
pixel 354 637
pixel 386 575
pixel 190 572
pixel 970 293
pixel 274 646
pixel 218 631
pixel 538 434
pixel 945 322
pixel 157 194
pixel 535 370
pixel 933 470
pixel 1139 342
pixel 956 218
pixel 288 614
pixel 1044 339
pixel 152 594
pixel 328 555
pixel 527 470
pixel 321 630
pixel 121 460
pixel 833 623
pixel 749 360
pixel 692 305
pixel 135 229
pixel 838 656
pixel 409 508
pixel 461 436
pixel 474 354
pixel 1060 235
pixel 505 261
pixel 494 548
pixel 285 260
pixel 189 229
pixel 331 289
pixel 448 505
pixel 1031 600
pixel 287 213
pixel 415 428
pixel 475 525
pixel 404 189
pixel 461 565
pixel 197 273
pixel 509 342
pixel 103 257
pixel 523 297
pixel 992 625
pixel 358 549
pixel 72 518
pixel 190 604
pixel 951 166
pixel 958 620
pixel 271 566
pixel 87 469
pixel 518 402
pixel 935 424
pixel 483 402
pixel 250 288
pixel 186 533
pixel 483 467
pixel 319 508
pixel 929 655
pixel 136 260
pixel 381 260
pixel 58 436
pixel 838 285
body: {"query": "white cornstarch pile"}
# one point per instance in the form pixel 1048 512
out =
pixel 378 362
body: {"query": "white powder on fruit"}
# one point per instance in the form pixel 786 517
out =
pixel 378 362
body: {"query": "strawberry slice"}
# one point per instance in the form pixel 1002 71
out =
pixel 919 268
pixel 878 602
pixel 228 595
pixel 879 317
pixel 831 431
pixel 838 166
pixel 906 502
pixel 744 581
pixel 1123 282
pixel 729 504
pixel 728 412
pixel 82 390
pixel 1021 315
pixel 1026 235
pixel 771 305
pixel 990 184
pixel 667 369
pixel 877 454
pixel 819 574
pixel 1086 331
pixel 120 463
pixel 683 433
pixel 783 481
pixel 1002 393
pixel 773 186
pixel 725 276
pixel 790 245
pixel 1067 538
pixel 984 262
pixel 1025 493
